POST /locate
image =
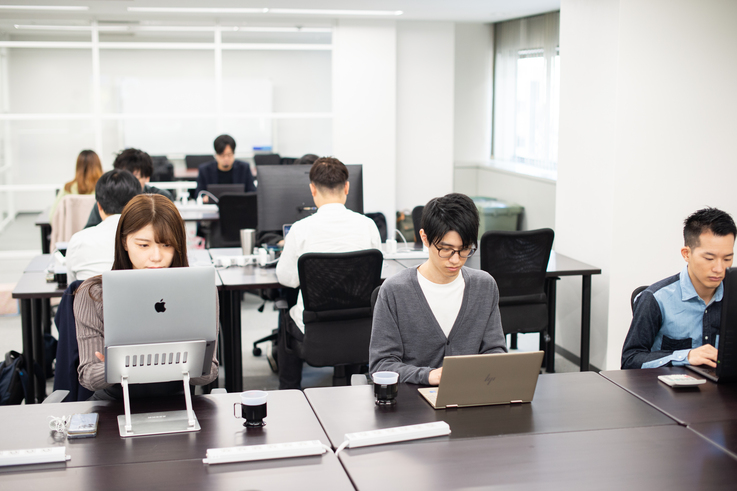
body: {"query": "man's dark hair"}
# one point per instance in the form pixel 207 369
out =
pixel 712 220
pixel 132 160
pixel 306 159
pixel 223 141
pixel 115 189
pixel 453 212
pixel 328 174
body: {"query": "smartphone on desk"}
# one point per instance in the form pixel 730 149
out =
pixel 83 426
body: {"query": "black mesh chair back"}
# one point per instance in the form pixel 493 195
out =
pixel 380 221
pixel 163 169
pixel 194 161
pixel 237 211
pixel 267 159
pixel 635 293
pixel 518 262
pixel 336 291
pixel 417 221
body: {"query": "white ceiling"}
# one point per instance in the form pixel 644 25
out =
pixel 439 10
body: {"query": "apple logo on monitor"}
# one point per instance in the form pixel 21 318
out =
pixel 160 306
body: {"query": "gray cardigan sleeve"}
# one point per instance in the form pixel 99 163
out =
pixel 386 350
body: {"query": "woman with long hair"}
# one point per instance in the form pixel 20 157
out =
pixel 150 235
pixel 87 172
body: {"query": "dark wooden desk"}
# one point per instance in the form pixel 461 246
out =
pixel 656 457
pixel 721 433
pixel 289 419
pixel 559 265
pixel 235 280
pixel 563 402
pixel 169 459
pixel 702 404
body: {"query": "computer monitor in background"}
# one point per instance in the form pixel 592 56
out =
pixel 284 194
pixel 726 369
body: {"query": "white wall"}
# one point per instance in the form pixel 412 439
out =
pixel 474 60
pixel 647 104
pixel 365 107
pixel 425 61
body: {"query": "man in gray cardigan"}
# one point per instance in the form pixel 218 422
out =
pixel 439 308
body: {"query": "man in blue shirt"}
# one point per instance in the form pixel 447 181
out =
pixel 225 169
pixel 676 320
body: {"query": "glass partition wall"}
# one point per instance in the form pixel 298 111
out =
pixel 169 90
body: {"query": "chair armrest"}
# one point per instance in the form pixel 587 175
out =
pixel 281 304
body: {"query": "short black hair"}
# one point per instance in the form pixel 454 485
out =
pixel 132 160
pixel 306 159
pixel 328 174
pixel 223 141
pixel 453 212
pixel 712 220
pixel 115 189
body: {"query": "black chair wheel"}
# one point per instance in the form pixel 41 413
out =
pixel 256 351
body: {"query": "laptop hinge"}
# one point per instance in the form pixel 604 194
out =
pixel 451 405
pixel 516 402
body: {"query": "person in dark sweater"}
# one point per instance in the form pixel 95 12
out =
pixel 440 308
pixel 138 163
pixel 225 169
pixel 676 320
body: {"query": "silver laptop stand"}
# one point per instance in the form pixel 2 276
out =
pixel 151 363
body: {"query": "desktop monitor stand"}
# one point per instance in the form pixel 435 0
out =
pixel 145 367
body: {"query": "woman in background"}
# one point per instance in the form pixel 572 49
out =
pixel 86 175
pixel 150 235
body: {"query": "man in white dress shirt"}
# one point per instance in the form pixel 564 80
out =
pixel 91 251
pixel 333 228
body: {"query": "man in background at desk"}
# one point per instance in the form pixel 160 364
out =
pixel 333 228
pixel 138 163
pixel 676 320
pixel 91 251
pixel 224 169
pixel 440 308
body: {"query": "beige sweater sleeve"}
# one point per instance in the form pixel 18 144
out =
pixel 88 314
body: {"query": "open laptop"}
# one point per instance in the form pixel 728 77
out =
pixel 145 306
pixel 483 380
pixel 726 369
pixel 220 189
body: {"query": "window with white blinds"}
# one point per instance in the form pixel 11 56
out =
pixel 527 93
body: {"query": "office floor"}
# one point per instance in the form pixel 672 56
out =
pixel 20 242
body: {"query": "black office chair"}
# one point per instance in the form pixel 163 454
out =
pixel 288 160
pixel 417 222
pixel 237 211
pixel 194 161
pixel 67 351
pixel 267 159
pixel 380 221
pixel 518 262
pixel 163 169
pixel 635 293
pixel 336 291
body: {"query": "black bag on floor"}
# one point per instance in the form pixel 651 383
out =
pixel 15 381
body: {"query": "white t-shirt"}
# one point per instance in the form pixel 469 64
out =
pixel 444 300
pixel 334 228
pixel 91 251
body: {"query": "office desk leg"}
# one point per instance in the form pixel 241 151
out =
pixel 551 287
pixel 230 316
pixel 585 322
pixel 45 241
pixel 46 315
pixel 38 348
pixel 27 328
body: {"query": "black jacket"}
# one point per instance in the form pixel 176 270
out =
pixel 208 174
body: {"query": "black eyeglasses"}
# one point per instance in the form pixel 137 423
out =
pixel 446 252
